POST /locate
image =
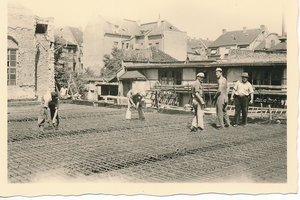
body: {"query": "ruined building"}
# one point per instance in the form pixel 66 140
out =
pixel 30 53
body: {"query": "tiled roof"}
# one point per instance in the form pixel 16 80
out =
pixel 236 38
pixel 77 34
pixel 151 54
pixel 248 56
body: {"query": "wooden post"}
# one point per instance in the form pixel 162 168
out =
pixel 261 110
pixel 270 114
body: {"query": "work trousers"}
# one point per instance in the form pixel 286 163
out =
pixel 221 111
pixel 43 116
pixel 140 112
pixel 52 112
pixel 198 115
pixel 241 104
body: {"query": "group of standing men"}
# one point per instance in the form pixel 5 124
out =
pixel 240 95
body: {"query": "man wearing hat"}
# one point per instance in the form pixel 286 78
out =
pixel 221 98
pixel 198 103
pixel 53 105
pixel 240 94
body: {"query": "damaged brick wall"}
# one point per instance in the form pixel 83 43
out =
pixel 21 29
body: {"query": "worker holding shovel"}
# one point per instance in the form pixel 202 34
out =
pixel 134 98
pixel 53 105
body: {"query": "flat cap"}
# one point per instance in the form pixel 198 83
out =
pixel 201 74
pixel 219 69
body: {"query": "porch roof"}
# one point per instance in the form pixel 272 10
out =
pixel 133 75
pixel 208 65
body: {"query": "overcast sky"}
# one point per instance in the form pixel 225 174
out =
pixel 199 18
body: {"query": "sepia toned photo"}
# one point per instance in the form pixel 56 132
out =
pixel 150 97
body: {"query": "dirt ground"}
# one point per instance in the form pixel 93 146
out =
pixel 98 144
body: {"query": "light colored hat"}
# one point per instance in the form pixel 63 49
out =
pixel 219 69
pixel 201 74
pixel 245 74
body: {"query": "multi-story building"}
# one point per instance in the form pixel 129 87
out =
pixel 102 34
pixel 71 41
pixel 246 39
pixel 197 49
pixel 30 53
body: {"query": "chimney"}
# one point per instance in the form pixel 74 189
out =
pixel 244 29
pixel 207 39
pixel 138 22
pixel 158 21
pixel 223 31
pixel 262 27
pixel 283 27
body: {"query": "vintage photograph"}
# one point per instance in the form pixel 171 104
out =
pixel 145 92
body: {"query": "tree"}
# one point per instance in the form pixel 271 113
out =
pixel 114 64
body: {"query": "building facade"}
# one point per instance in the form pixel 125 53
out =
pixel 71 41
pixel 246 39
pixel 102 34
pixel 30 53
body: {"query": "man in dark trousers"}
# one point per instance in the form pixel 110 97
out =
pixel 53 106
pixel 221 98
pixel 240 95
pixel 134 99
pixel 198 103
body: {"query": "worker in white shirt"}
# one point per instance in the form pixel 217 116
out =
pixel 240 95
pixel 198 103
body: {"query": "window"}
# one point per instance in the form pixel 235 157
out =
pixel 115 44
pixel 127 45
pixel 122 45
pixel 272 43
pixel 157 44
pixel 213 52
pixel 41 28
pixel 11 66
pixel 170 77
pixel 150 44
pixel 142 45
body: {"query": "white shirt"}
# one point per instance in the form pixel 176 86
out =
pixel 243 88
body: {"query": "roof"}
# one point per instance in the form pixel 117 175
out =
pixel 132 75
pixel 157 30
pixel 248 56
pixel 131 27
pixel 119 26
pixel 151 54
pixel 261 46
pixel 280 46
pixel 237 38
pixel 77 34
pixel 60 40
pixel 197 43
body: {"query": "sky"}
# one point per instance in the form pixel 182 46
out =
pixel 199 18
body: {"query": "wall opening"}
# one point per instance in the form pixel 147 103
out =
pixel 41 28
